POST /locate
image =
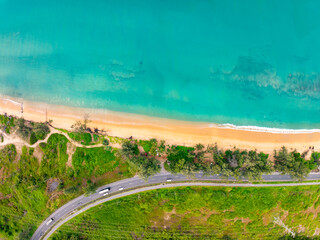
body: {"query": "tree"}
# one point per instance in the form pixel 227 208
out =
pixel 315 157
pixel 182 160
pixel 90 188
pixel 199 147
pixel 81 126
pixel 23 130
pixel 129 149
pixel 145 166
pixel 254 165
pixel 293 164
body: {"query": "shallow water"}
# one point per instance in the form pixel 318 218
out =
pixel 240 62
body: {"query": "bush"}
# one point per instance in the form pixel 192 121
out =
pixel 90 188
pixel 33 138
pixel 105 142
pixel 32 131
pixel 7 123
pixel 162 147
pixel 71 190
pixel 31 150
pixel 23 130
pixel 95 137
pixel 82 137
pixel 41 130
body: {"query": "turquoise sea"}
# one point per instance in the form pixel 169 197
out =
pixel 248 62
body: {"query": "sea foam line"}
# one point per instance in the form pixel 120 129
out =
pixel 9 100
pixel 265 129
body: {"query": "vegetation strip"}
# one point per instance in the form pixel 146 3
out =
pixel 197 214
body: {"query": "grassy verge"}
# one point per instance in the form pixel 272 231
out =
pixel 200 213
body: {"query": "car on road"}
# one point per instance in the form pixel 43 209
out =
pixel 104 190
pixel 50 221
pixel 106 194
pixel 121 188
pixel 169 180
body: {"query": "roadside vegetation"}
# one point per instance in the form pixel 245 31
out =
pixel 237 163
pixel 34 181
pixel 143 164
pixel 226 163
pixel 201 213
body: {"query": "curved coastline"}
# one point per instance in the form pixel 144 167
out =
pixel 172 131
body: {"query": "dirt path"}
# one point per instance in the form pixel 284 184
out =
pixel 14 139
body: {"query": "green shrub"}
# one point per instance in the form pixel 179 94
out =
pixel 105 142
pixel 71 190
pixel 7 123
pixel 41 130
pixel 90 188
pixel 82 137
pixel 146 145
pixel 95 137
pixel 31 150
pixel 117 140
pixel 33 138
pixel 32 131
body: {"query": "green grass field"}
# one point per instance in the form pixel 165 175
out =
pixel 201 213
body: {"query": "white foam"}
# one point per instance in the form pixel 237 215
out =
pixel 265 129
pixel 14 102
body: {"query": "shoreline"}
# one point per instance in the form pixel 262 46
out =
pixel 172 131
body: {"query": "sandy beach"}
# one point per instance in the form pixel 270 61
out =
pixel 172 131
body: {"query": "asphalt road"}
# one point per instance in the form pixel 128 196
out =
pixel 69 210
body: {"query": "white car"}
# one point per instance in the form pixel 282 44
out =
pixel 106 194
pixel 121 188
pixel 169 180
pixel 50 221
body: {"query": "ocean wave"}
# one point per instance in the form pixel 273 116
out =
pixel 265 129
